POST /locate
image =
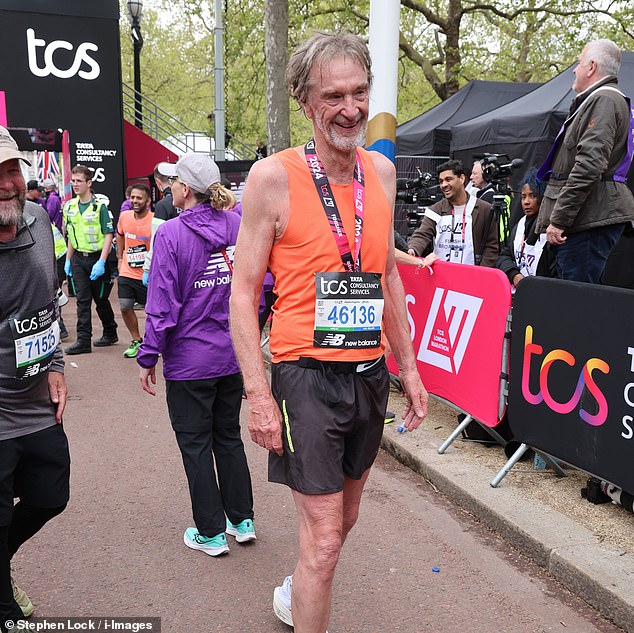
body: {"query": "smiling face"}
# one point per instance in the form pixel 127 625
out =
pixel 138 200
pixel 452 186
pixel 12 192
pixel 338 103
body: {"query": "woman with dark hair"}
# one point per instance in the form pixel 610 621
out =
pixel 527 253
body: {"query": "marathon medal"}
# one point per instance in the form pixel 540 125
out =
pixel 35 337
pixel 348 305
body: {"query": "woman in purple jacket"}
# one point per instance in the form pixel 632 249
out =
pixel 188 324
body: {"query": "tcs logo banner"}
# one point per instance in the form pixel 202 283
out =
pixel 33 44
pixel 585 380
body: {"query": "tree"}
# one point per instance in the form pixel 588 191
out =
pixel 520 31
pixel 276 52
pixel 443 43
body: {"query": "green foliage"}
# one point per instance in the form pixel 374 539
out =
pixel 176 69
pixel 541 40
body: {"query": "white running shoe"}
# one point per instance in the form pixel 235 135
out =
pixel 282 601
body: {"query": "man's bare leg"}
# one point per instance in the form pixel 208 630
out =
pixel 352 490
pixel 325 521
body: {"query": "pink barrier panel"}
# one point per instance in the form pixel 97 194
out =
pixel 3 110
pixel 457 318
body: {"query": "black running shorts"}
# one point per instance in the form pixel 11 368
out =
pixel 36 468
pixel 333 417
pixel 131 291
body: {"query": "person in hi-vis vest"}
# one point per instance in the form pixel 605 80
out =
pixel 90 232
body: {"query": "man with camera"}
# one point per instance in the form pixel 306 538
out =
pixel 587 202
pixel 457 229
pixel 485 189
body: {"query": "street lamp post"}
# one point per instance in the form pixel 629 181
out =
pixel 135 10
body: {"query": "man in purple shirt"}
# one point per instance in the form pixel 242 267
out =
pixel 53 204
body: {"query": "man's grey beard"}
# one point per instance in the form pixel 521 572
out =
pixel 11 211
pixel 341 142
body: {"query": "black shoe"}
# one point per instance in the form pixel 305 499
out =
pixel 104 341
pixel 79 348
pixel 63 334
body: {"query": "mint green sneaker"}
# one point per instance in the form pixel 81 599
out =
pixel 214 546
pixel 244 531
pixel 133 350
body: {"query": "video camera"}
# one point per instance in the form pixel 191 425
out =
pixel 421 191
pixel 492 169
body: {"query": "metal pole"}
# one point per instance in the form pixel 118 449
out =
pixel 219 86
pixel 383 44
pixel 137 42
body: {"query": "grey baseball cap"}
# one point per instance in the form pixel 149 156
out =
pixel 198 171
pixel 9 148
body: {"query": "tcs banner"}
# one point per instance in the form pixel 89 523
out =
pixel 572 375
pixel 457 318
pixel 61 69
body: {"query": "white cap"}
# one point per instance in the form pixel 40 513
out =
pixel 9 148
pixel 198 171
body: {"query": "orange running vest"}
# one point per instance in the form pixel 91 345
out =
pixel 308 246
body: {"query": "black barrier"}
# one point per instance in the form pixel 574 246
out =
pixel 572 375
pixel 60 68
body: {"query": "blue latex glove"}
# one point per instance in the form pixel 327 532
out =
pixel 146 277
pixel 67 268
pixel 98 269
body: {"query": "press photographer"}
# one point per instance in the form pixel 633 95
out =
pixel 496 176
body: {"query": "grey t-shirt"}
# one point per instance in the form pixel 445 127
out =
pixel 28 314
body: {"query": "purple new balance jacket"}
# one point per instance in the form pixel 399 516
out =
pixel 188 296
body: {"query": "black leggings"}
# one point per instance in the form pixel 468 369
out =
pixel 26 521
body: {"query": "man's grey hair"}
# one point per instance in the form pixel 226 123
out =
pixel 606 54
pixel 319 49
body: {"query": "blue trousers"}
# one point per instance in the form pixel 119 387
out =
pixel 584 254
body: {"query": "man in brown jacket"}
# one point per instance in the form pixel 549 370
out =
pixel 587 201
pixel 457 229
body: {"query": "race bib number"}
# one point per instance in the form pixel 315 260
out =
pixel 135 256
pixel 35 337
pixel 348 310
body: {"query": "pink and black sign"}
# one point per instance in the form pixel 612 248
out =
pixel 572 375
pixel 457 318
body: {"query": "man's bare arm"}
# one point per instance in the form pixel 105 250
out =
pixel 263 202
pixel 395 317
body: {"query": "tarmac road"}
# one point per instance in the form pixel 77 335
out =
pixel 118 550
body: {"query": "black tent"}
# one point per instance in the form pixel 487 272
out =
pixel 526 127
pixel 429 133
